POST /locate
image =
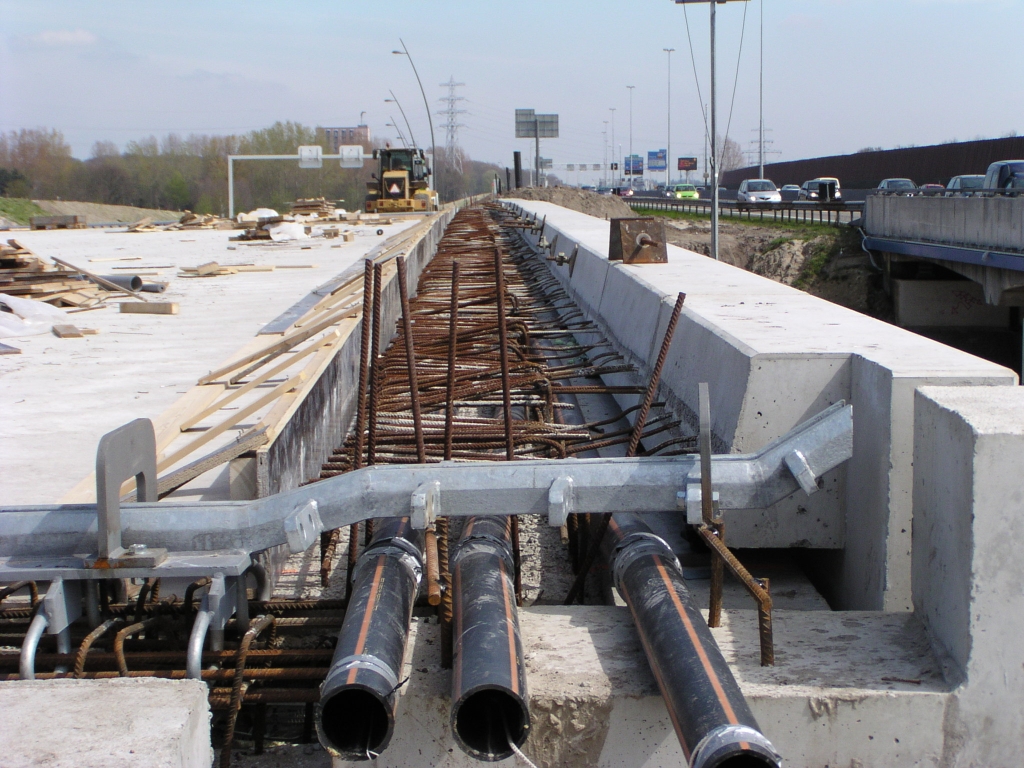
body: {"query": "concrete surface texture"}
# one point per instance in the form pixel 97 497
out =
pixel 968 525
pixel 980 222
pixel 122 723
pixel 845 688
pixel 922 303
pixel 773 356
pixel 61 395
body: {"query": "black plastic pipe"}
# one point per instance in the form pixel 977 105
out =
pixel 489 704
pixel 711 717
pixel 355 717
pixel 129 282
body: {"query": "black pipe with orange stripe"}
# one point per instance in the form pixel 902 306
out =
pixel 710 715
pixel 356 714
pixel 490 708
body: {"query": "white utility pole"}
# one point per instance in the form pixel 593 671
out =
pixel 631 87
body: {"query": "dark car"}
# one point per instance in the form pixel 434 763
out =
pixel 1005 175
pixel 964 186
pixel 812 190
pixel 623 191
pixel 898 187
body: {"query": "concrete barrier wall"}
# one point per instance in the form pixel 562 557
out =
pixel 979 222
pixel 773 356
pixel 968 526
pixel 326 413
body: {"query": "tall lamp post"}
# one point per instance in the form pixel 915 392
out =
pixel 631 87
pixel 394 100
pixel 714 135
pixel 612 110
pixel 430 121
pixel 668 140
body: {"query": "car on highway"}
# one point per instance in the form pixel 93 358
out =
pixel 898 187
pixel 1005 174
pixel 964 186
pixel 932 189
pixel 683 192
pixel 604 190
pixel 758 192
pixel 623 191
pixel 790 188
pixel 811 190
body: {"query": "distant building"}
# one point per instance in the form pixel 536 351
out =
pixel 336 137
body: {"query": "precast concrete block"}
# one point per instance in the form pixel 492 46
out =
pixel 968 529
pixel 117 723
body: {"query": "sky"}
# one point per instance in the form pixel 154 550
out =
pixel 838 75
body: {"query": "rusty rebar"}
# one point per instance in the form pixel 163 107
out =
pixel 453 323
pixel 376 379
pixel 410 357
pixel 241 659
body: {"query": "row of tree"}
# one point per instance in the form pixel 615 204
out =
pixel 176 173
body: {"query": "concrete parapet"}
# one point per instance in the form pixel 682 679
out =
pixel 979 222
pixel 119 723
pixel 967 568
pixel 773 356
pixel 845 690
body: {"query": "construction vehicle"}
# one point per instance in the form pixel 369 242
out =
pixel 401 183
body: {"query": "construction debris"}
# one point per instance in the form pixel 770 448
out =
pixel 23 273
pixel 317 207
pixel 68 331
pixel 188 220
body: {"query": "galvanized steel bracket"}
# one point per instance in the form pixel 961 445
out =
pixel 425 505
pixel 797 464
pixel 62 605
pixel 690 502
pixel 303 526
pixel 561 501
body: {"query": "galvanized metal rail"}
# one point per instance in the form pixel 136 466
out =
pixel 806 213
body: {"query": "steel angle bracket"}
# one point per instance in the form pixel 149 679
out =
pixel 561 501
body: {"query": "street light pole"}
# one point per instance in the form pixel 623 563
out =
pixel 430 121
pixel 668 141
pixel 394 125
pixel 631 87
pixel 396 101
pixel 760 124
pixel 612 110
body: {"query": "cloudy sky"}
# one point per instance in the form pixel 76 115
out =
pixel 839 75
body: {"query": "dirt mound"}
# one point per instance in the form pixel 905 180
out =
pixel 737 243
pixel 98 213
pixel 590 203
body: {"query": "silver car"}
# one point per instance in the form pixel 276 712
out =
pixel 758 191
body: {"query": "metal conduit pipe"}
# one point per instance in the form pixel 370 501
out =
pixel 355 717
pixel 711 717
pixel 27 662
pixel 490 708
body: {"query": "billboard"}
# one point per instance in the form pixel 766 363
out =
pixel 656 161
pixel 634 165
pixel 530 125
pixel 687 164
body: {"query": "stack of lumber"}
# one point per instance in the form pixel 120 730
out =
pixel 24 274
pixel 188 220
pixel 317 206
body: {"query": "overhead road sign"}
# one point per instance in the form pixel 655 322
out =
pixel 530 125
pixel 656 160
pixel 634 165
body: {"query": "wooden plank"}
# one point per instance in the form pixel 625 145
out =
pixel 150 308
pixel 208 268
pixel 285 343
pixel 6 349
pixel 234 394
pixel 225 425
pixel 66 331
pixel 99 280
